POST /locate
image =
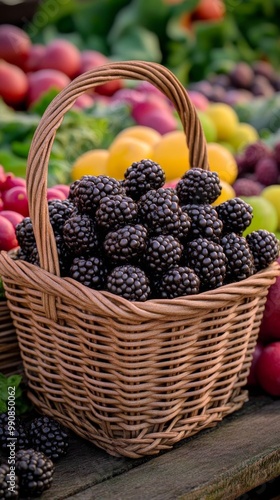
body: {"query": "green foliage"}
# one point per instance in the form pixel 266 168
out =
pixel 22 404
pixel 2 291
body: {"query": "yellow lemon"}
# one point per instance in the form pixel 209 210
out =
pixel 123 152
pixel 225 120
pixel 172 154
pixel 245 134
pixel 226 194
pixel 222 161
pixel 90 163
pixel 145 134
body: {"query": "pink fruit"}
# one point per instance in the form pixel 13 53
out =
pixel 1 203
pixel 161 120
pixel 128 96
pixel 147 88
pixel 13 83
pixel 172 184
pixel 2 177
pixel 149 105
pixel 62 187
pixel 16 199
pixel 14 45
pixel 84 101
pixel 12 181
pixel 199 100
pixel 14 217
pixel 43 80
pixel 268 369
pixel 91 59
pixel 55 194
pixel 63 56
pixel 36 53
pixel 7 235
pixel 270 326
pixel 252 379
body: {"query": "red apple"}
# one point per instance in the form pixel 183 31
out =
pixel 13 83
pixel 14 217
pixel 83 101
pixel 43 80
pixel 270 326
pixel 55 194
pixel 12 181
pixel 252 378
pixel 62 187
pixel 15 45
pixel 7 235
pixel 2 176
pixel 91 59
pixel 268 369
pixel 36 53
pixel 16 199
pixel 62 56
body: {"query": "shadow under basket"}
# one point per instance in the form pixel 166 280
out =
pixel 134 378
pixel 10 360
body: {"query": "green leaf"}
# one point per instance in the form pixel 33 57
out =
pixel 3 391
pixel 3 407
pixel 137 43
pixel 43 102
pixel 14 380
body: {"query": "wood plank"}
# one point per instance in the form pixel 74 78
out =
pixel 235 457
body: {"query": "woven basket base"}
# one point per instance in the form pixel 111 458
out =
pixel 10 360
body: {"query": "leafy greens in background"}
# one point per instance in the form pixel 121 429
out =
pixel 22 404
pixel 79 132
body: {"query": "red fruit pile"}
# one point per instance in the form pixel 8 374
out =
pixel 265 367
pixel 14 205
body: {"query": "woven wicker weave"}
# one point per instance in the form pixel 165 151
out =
pixel 134 378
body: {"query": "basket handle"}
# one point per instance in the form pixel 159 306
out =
pixel 40 149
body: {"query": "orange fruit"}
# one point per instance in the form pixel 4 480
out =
pixel 145 134
pixel 123 152
pixel 172 154
pixel 222 161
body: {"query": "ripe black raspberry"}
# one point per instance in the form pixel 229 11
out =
pixel 116 211
pixel 129 282
pixel 163 251
pixel 264 247
pixel 126 243
pixel 35 472
pixel 9 487
pixel 208 261
pixel 80 235
pixel 204 222
pixel 199 186
pixel 176 282
pixel 18 430
pixel 90 190
pixel 90 271
pixel 59 212
pixel 160 211
pixel 235 214
pixel 49 437
pixel 142 176
pixel 25 235
pixel 240 263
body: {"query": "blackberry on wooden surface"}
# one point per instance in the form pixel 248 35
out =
pixel 240 263
pixel 18 430
pixel 6 479
pixel 208 261
pixel 264 247
pixel 142 176
pixel 198 186
pixel 35 472
pixel 129 282
pixel 49 437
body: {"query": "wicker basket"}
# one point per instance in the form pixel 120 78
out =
pixel 10 360
pixel 133 378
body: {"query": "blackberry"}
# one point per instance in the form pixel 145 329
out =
pixel 90 271
pixel 176 282
pixel 240 259
pixel 72 188
pixel 160 211
pixel 130 282
pixel 64 256
pixel 204 222
pixel 91 189
pixel 25 235
pixel 199 186
pixel 22 255
pixel 208 261
pixel 126 243
pixel 116 211
pixel 142 176
pixel 163 251
pixel 80 235
pixel 35 472
pixel 9 485
pixel 235 214
pixel 19 434
pixel 59 212
pixel 49 437
pixel 264 247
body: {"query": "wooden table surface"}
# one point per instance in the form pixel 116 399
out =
pixel 221 463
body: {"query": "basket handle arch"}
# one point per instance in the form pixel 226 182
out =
pixel 40 149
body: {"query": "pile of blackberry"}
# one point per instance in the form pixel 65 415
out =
pixel 38 445
pixel 138 239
